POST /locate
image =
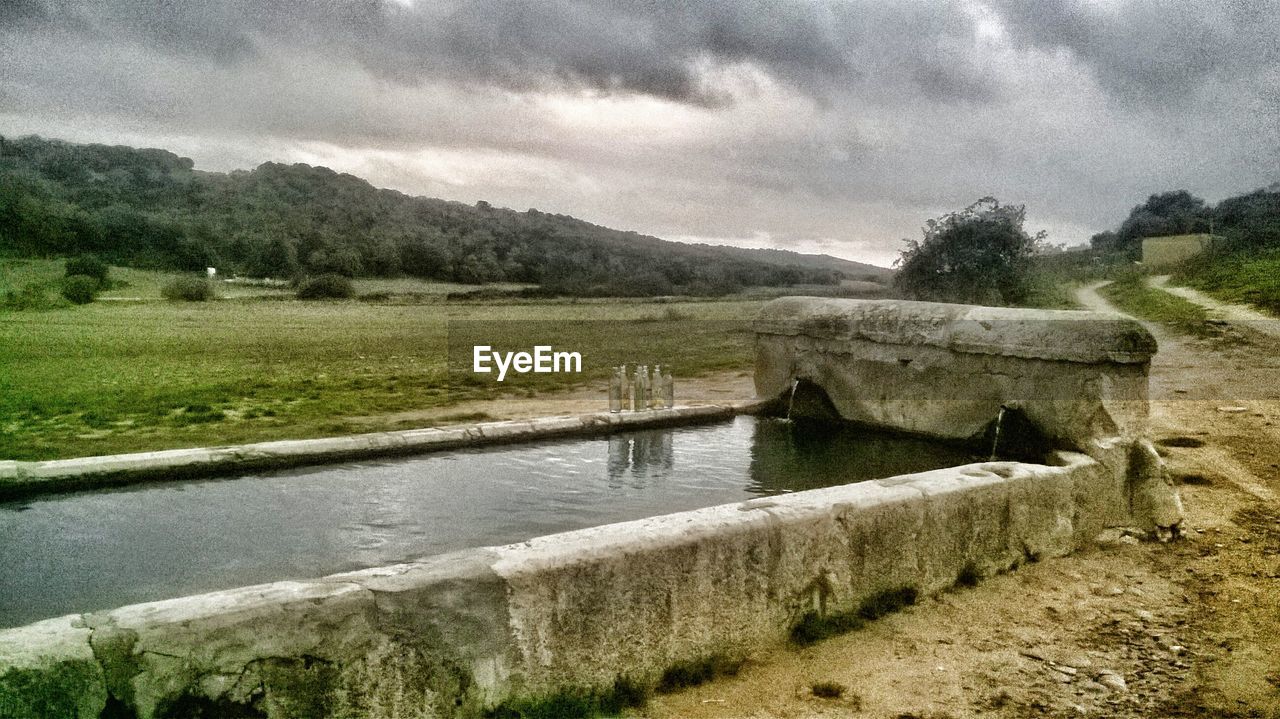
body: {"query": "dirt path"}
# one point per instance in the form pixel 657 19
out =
pixel 1188 629
pixel 1224 311
pixel 714 388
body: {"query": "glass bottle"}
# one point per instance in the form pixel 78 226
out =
pixel 668 388
pixel 637 388
pixel 648 388
pixel 655 388
pixel 616 380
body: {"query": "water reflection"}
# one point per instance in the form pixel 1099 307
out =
pixel 636 457
pixel 96 550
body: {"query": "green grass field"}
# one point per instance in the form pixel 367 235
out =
pixel 130 376
pixel 1248 278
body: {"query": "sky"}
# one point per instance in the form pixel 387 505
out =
pixel 815 126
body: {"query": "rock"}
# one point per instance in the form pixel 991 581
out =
pixel 1144 615
pixel 1092 687
pixel 1112 681
pixel 1233 409
pixel 1077 661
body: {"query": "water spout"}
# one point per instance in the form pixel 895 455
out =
pixel 995 442
pixel 792 399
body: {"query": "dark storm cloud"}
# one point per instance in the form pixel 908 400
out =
pixel 814 121
pixel 655 48
pixel 1154 51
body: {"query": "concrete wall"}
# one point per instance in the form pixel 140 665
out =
pixel 1173 249
pixel 456 634
pixel 22 479
pixel 946 370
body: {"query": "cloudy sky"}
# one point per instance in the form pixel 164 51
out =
pixel 819 126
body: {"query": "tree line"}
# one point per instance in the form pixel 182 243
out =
pixel 151 208
pixel 1247 221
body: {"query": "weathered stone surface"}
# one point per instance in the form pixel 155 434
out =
pixel 47 669
pixel 1061 335
pixel 951 371
pixel 946 370
pixel 456 634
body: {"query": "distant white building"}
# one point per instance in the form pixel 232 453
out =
pixel 1173 249
pixel 211 272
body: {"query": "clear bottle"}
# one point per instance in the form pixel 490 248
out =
pixel 668 388
pixel 655 388
pixel 637 388
pixel 648 388
pixel 616 391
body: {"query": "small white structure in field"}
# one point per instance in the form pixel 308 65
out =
pixel 211 272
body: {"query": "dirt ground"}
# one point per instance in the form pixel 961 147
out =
pixel 715 388
pixel 1128 629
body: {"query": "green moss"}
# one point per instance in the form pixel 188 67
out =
pixel 827 690
pixel 68 689
pixel 575 703
pixel 814 627
pixel 698 671
pixel 195 707
pixel 969 576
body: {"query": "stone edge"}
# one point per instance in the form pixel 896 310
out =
pixel 19 479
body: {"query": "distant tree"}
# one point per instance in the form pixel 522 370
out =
pixel 80 289
pixel 421 258
pixel 189 288
pixel 326 287
pixel 277 258
pixel 335 261
pixel 89 266
pixel 1250 220
pixel 1168 213
pixel 980 254
pixel 1105 242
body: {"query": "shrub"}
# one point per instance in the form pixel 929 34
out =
pixel 88 266
pixel 189 289
pixel 80 289
pixel 326 287
pixel 32 296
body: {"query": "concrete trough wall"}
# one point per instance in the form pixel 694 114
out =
pixel 951 371
pixel 23 479
pixel 457 634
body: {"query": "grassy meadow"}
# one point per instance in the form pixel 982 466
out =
pixel 117 376
pixel 1243 277
pixel 1130 294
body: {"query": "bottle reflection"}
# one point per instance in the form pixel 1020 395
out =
pixel 636 457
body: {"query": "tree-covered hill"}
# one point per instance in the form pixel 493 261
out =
pixel 1247 221
pixel 152 208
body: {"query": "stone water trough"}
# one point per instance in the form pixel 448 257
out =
pixel 460 634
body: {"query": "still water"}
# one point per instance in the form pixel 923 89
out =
pixel 97 550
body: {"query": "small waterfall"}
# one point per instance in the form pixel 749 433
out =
pixel 995 442
pixel 792 399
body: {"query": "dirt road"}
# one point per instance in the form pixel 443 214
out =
pixel 1187 629
pixel 1247 317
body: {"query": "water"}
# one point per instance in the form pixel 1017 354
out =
pixel 97 550
pixel 995 443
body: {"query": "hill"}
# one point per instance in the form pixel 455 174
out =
pixel 152 208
